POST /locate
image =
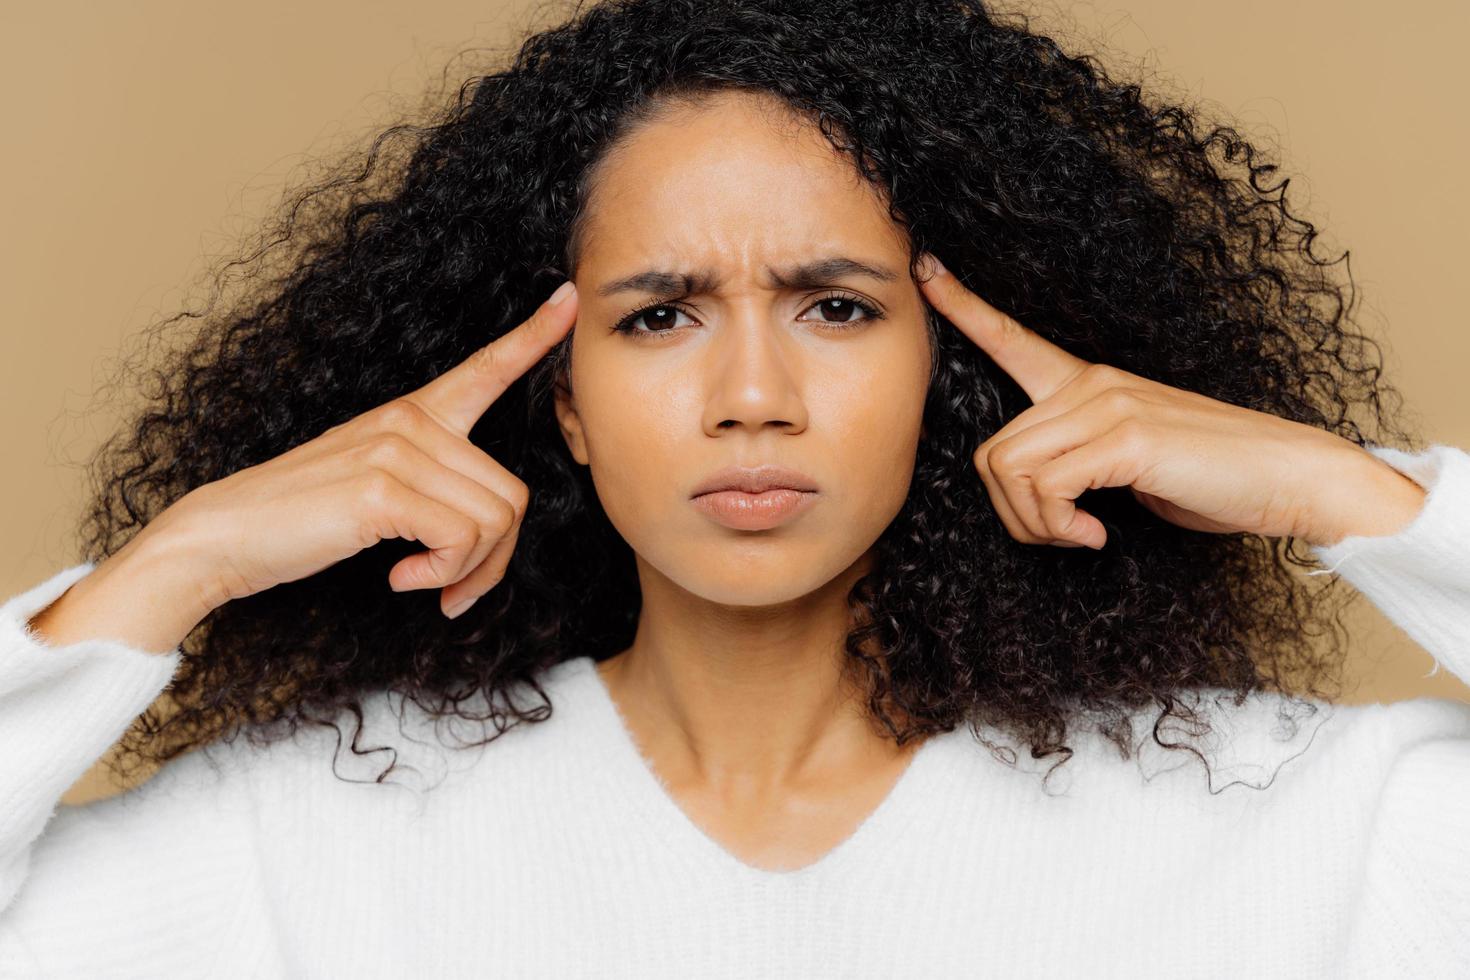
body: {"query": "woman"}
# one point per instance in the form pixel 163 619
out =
pixel 763 550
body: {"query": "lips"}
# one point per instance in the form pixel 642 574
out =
pixel 755 479
pixel 754 511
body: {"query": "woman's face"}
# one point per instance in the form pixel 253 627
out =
pixel 754 363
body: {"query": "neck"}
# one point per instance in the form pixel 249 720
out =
pixel 754 697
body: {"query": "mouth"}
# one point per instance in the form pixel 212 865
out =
pixel 760 511
pixel 756 480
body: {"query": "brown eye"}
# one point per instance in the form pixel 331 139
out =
pixel 661 318
pixel 836 310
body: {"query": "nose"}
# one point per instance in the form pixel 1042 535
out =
pixel 755 371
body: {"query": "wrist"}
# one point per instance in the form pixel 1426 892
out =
pixel 149 595
pixel 1376 501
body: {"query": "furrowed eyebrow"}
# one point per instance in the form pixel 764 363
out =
pixel 808 275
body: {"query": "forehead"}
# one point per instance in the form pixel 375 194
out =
pixel 733 182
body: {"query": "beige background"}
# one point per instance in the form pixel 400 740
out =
pixel 142 137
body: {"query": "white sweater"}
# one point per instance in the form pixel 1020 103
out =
pixel 555 851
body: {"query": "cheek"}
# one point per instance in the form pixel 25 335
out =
pixel 876 402
pixel 616 407
pixel 631 426
pixel 877 435
pixel 880 413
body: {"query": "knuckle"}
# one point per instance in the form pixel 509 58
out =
pixel 1102 375
pixel 387 450
pixel 1047 483
pixel 516 498
pixel 508 514
pixel 519 498
pixel 1121 400
pixel 468 533
pixel 1132 434
pixel 399 415
pixel 499 517
pixel 1003 455
pixel 377 490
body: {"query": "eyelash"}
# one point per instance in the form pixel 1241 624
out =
pixel 625 322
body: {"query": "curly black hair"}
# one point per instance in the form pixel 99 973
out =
pixel 1106 219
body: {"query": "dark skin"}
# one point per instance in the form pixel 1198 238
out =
pixel 733 687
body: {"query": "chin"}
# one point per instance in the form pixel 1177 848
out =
pixel 747 574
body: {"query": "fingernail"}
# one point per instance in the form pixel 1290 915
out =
pixel 563 293
pixel 936 267
pixel 460 606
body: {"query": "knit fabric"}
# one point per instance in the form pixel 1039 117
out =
pixel 1331 841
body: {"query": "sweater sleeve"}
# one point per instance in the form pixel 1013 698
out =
pixel 1412 914
pixel 126 886
pixel 1419 577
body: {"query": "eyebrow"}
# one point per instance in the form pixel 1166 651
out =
pixel 808 275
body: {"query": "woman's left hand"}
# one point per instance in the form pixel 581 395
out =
pixel 1194 461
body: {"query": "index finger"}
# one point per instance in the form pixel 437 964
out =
pixel 461 395
pixel 1040 367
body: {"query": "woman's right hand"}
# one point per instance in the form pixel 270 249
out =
pixel 405 469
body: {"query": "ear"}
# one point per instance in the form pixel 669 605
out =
pixel 570 422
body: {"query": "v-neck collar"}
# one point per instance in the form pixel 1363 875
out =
pixel 641 786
